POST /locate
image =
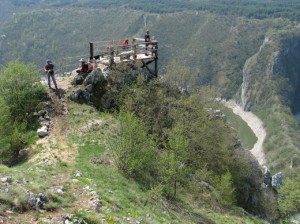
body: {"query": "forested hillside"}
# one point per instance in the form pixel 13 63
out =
pixel 250 8
pixel 247 49
pixel 214 47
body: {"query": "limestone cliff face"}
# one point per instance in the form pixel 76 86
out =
pixel 271 75
pixel 271 89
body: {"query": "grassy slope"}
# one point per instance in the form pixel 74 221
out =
pixel 122 198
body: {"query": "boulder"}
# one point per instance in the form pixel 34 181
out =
pixel 94 78
pixel 39 205
pixel 89 88
pixel 75 95
pixel 42 113
pixel 31 200
pixel 43 197
pixel 86 96
pixel 78 80
pixel 45 123
pixel 43 131
pixel 267 178
pixel 95 203
pixel 6 179
pixel 277 181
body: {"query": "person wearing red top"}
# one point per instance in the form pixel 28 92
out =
pixel 125 44
pixel 49 69
pixel 84 67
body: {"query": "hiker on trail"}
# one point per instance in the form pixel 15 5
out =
pixel 84 67
pixel 147 40
pixel 49 69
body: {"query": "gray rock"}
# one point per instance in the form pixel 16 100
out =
pixel 95 204
pixel 43 113
pixel 86 188
pixel 23 152
pixel 86 96
pixel 267 178
pixel 59 191
pixel 39 205
pixel 78 174
pixel 94 78
pixel 43 197
pixel 31 201
pixel 78 80
pixel 6 179
pixel 45 123
pixel 43 131
pixel 41 171
pixel 68 216
pixel 94 193
pixel 89 88
pixel 277 181
pixel 75 95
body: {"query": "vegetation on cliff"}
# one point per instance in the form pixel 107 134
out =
pixel 20 95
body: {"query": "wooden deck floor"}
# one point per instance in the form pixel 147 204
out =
pixel 117 59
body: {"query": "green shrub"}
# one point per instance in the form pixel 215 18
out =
pixel 20 95
pixel 21 89
pixel 133 149
pixel 289 197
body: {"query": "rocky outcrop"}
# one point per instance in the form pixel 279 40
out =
pixel 101 90
pixel 44 120
pixel 91 85
pixel 273 67
pixel 271 183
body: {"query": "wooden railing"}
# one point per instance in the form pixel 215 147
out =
pixel 117 48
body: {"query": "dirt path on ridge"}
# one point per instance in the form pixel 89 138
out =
pixel 54 147
pixel 256 126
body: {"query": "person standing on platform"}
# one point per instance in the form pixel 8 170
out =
pixel 147 40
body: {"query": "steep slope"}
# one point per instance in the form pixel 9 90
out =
pixel 79 177
pixel 271 89
pixel 219 49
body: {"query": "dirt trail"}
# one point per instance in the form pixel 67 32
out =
pixel 256 126
pixel 54 147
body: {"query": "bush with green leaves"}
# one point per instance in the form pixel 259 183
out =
pixel 133 150
pixel 289 197
pixel 20 95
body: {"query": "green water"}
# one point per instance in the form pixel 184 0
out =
pixel 244 132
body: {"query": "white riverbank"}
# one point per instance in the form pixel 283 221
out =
pixel 256 126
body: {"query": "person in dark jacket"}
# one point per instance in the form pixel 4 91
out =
pixel 147 40
pixel 49 69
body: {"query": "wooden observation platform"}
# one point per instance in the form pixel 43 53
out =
pixel 108 53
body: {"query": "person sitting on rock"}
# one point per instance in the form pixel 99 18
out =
pixel 84 67
pixel 125 44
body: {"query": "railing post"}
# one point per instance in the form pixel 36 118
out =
pixel 91 50
pixel 111 53
pixel 155 59
pixel 134 49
